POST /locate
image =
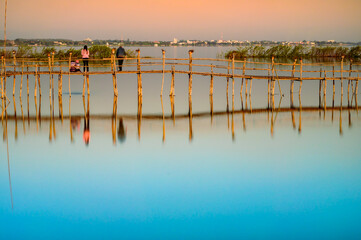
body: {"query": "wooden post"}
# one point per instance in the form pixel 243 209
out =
pixel 273 80
pixel 22 76
pixel 39 85
pixel 299 93
pixel 325 84
pixel 233 74
pixel 114 69
pixel 349 82
pixel 211 83
pixel 49 63
pixel 243 73
pixel 319 89
pixel 14 71
pixel 342 75
pixel 140 91
pixel 333 77
pixel 60 84
pixel 163 58
pixel 27 79
pixel 69 73
pixel 84 81
pixel 190 52
pixel 171 93
pixel 87 81
pixel 36 79
pixel 227 78
pixel 250 88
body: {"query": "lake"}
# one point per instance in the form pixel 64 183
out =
pixel 178 168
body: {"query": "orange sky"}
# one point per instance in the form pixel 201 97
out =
pixel 187 19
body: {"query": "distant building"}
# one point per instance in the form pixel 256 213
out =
pixel 87 40
pixel 175 41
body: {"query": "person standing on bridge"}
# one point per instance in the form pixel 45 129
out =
pixel 85 55
pixel 120 55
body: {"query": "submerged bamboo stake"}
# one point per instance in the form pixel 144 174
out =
pixel 163 58
pixel 190 52
pixel 211 83
pixel 171 93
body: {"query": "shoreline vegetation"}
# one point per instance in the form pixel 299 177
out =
pixel 293 52
pixel 96 52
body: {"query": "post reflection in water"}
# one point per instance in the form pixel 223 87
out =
pixel 16 121
pixel 139 115
pixel 114 118
pixel 190 116
pixel 300 114
pixel 171 97
pixel 211 107
pixel 163 118
pixel 22 113
pixel 86 132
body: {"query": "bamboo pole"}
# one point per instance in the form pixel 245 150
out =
pixel 250 88
pixel 233 74
pixel 50 87
pixel 273 76
pixel 349 81
pixel 243 73
pixel 87 81
pixel 319 89
pixel 211 83
pixel 39 83
pixel 14 72
pixel 60 83
pixel 190 52
pixel 342 75
pixel 139 74
pixel 36 79
pixel 84 80
pixel 299 93
pixel 27 79
pixel 227 78
pixel 21 80
pixel 69 74
pixel 163 58
pixel 171 93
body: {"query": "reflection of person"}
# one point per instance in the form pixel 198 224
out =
pixel 120 54
pixel 85 55
pixel 75 123
pixel 86 134
pixel 121 131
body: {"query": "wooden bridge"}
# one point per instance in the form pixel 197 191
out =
pixel 230 69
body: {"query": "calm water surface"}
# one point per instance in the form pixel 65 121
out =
pixel 240 168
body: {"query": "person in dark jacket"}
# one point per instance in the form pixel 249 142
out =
pixel 121 54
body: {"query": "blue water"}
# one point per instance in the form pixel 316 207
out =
pixel 230 176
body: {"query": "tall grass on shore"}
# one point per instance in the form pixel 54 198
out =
pixel 96 52
pixel 284 51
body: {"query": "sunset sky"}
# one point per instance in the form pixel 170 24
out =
pixel 186 19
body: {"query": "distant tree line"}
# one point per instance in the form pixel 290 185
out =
pixel 298 51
